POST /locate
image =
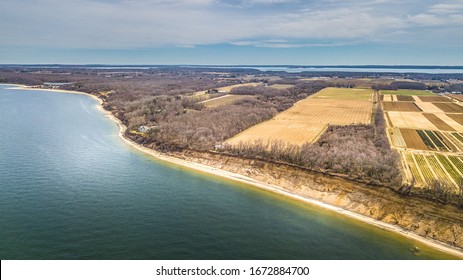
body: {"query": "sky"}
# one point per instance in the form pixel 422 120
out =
pixel 232 32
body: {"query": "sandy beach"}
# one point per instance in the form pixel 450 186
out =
pixel 458 252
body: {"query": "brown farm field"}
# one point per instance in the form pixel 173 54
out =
pixel 434 99
pixel 405 98
pixel 309 118
pixel 400 106
pixel 293 132
pixel 224 100
pixel 407 92
pixel 440 124
pixel 456 117
pixel 229 88
pixel 412 139
pixel 458 97
pixel 449 107
pixel 329 111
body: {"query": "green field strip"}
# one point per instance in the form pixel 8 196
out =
pixel 406 167
pixel 413 166
pixel 458 137
pixel 442 140
pixel 436 141
pixel 450 168
pixel 426 140
pixel 428 175
pixel 440 172
pixel 457 162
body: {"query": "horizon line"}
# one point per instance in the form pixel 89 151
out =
pixel 404 66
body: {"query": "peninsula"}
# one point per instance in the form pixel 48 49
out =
pixel 382 148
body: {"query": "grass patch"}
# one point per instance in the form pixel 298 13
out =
pixel 450 169
pixel 225 100
pixel 136 132
pixel 344 94
pixel 281 86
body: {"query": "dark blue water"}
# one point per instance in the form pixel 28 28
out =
pixel 70 188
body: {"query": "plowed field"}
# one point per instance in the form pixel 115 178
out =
pixel 449 107
pixel 400 106
pixel 308 118
pixel 434 99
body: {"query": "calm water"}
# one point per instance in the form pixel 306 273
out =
pixel 70 188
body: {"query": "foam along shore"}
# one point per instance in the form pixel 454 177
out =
pixel 458 252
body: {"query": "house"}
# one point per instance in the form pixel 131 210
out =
pixel 146 128
pixel 143 129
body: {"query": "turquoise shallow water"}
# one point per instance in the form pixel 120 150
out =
pixel 70 188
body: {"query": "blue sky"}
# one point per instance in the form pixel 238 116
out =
pixel 330 32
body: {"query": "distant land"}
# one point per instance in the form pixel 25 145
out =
pixel 241 65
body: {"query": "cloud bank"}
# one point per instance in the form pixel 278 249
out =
pixel 113 24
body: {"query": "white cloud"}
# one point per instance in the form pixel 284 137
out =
pixel 267 1
pixel 447 8
pixel 281 43
pixel 331 24
pixel 426 19
pixel 435 20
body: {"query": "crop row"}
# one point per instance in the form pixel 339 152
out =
pixel 414 169
pixel 426 140
pixel 451 170
pixel 427 168
pixel 448 140
pixel 458 162
pixel 458 136
pixel 438 170
pixel 440 146
pixel 433 140
pixel 423 165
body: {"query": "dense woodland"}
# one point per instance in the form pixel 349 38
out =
pixel 163 100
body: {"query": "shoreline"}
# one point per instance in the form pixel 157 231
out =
pixel 438 245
